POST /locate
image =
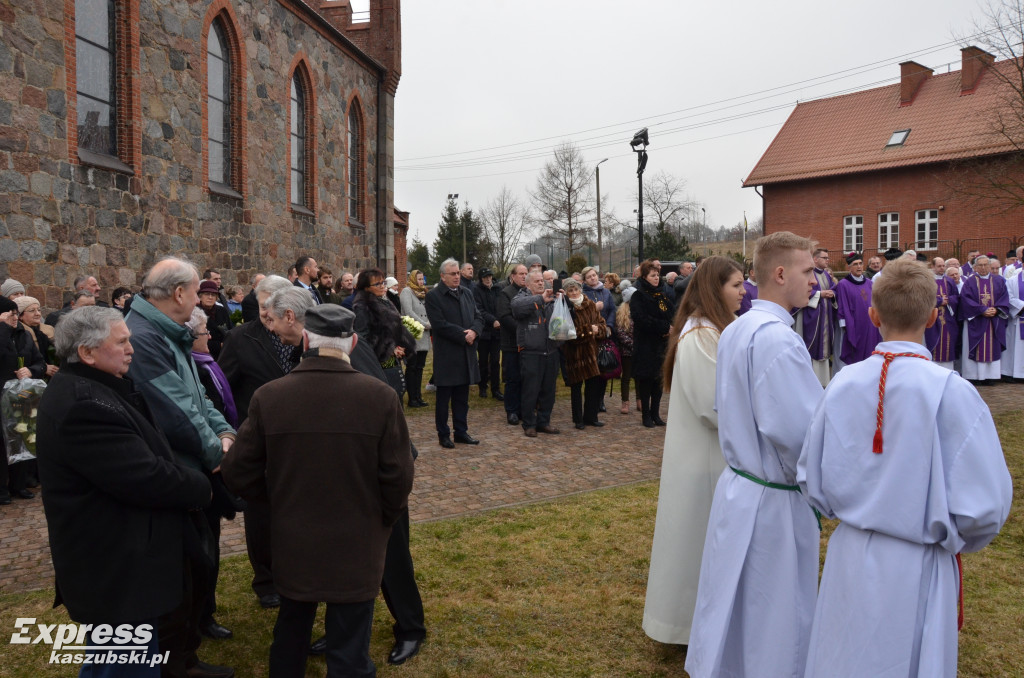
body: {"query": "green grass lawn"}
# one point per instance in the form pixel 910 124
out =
pixel 557 589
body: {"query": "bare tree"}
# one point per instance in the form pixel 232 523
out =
pixel 996 183
pixel 665 201
pixel 564 197
pixel 506 223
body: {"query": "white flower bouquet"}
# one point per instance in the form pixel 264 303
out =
pixel 19 405
pixel 414 326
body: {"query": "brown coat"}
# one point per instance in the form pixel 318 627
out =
pixel 336 481
pixel 581 352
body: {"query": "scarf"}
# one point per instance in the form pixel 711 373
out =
pixel 206 361
pixel 419 290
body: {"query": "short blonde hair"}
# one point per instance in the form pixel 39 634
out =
pixel 905 296
pixel 777 249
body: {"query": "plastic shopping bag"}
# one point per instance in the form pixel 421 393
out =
pixel 561 327
pixel 19 404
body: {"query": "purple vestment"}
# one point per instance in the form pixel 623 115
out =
pixel 819 324
pixel 859 336
pixel 751 294
pixel 942 337
pixel 986 337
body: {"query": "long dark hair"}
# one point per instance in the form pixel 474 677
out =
pixel 703 299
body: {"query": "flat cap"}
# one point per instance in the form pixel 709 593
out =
pixel 330 320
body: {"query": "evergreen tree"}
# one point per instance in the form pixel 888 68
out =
pixel 663 244
pixel 448 243
pixel 419 256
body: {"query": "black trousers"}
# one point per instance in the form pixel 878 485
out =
pixel 510 376
pixel 649 391
pixel 348 639
pixel 257 545
pixel 538 387
pixel 488 353
pixel 458 396
pixel 178 630
pixel 213 518
pixel 586 399
pixel 399 585
pixel 414 375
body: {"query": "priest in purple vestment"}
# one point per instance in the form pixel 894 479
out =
pixel 750 285
pixel 944 335
pixel 853 298
pixel 817 321
pixel 984 307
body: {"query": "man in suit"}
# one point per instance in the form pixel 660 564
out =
pixel 455 324
pixel 306 275
pixel 250 305
pixel 306 475
pixel 115 512
pixel 252 356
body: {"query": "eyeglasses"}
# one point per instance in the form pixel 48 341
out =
pixel 377 284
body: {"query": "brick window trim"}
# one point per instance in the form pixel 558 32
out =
pixel 222 11
pixel 129 106
pixel 355 105
pixel 300 66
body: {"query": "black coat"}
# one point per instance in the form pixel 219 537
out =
pixel 508 321
pixel 218 324
pixel 250 307
pixel 17 342
pixel 487 304
pixel 249 360
pixel 455 361
pixel 652 313
pixel 115 499
pixel 380 324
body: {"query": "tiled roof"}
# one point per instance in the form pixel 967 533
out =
pixel 848 134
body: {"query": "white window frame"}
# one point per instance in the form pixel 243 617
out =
pixel 926 230
pixel 853 233
pixel 888 230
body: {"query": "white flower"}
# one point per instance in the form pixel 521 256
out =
pixel 21 428
pixel 32 439
pixel 34 411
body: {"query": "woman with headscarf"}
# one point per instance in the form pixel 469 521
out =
pixel 412 305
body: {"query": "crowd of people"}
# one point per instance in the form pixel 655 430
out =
pixel 188 379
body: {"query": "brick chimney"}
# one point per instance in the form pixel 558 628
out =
pixel 338 12
pixel 912 74
pixel 380 37
pixel 974 61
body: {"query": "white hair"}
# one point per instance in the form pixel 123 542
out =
pixel 298 300
pixel 87 326
pixel 447 263
pixel 161 285
pixel 197 320
pixel 338 343
pixel 272 283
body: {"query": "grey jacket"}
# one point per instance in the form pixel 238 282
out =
pixel 532 316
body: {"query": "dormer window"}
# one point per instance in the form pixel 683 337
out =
pixel 898 137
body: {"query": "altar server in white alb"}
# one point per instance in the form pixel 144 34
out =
pixel 759 573
pixel 916 476
pixel 1012 360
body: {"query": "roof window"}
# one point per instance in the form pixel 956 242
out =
pixel 898 137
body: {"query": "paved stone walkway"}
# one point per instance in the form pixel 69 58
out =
pixel 506 469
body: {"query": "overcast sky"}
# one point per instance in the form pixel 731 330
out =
pixel 712 81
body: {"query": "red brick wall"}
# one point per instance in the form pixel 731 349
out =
pixel 816 208
pixel 401 255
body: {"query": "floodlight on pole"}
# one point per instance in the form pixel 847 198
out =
pixel 639 146
pixel 597 175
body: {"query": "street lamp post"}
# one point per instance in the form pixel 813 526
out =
pixel 639 145
pixel 597 174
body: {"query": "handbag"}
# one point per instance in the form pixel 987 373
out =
pixel 609 361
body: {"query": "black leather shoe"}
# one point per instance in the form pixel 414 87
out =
pixel 658 421
pixel 270 600
pixel 212 629
pixel 446 442
pixel 4 501
pixel 602 408
pixel 596 423
pixel 513 419
pixel 318 646
pixel 580 425
pixel 404 649
pixel 466 439
pixel 483 392
pixel 204 670
pixel 25 494
pixel 497 396
pixel 648 422
pixel 417 403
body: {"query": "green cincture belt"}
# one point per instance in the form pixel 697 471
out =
pixel 775 486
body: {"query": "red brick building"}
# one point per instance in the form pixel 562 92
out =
pixel 892 166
